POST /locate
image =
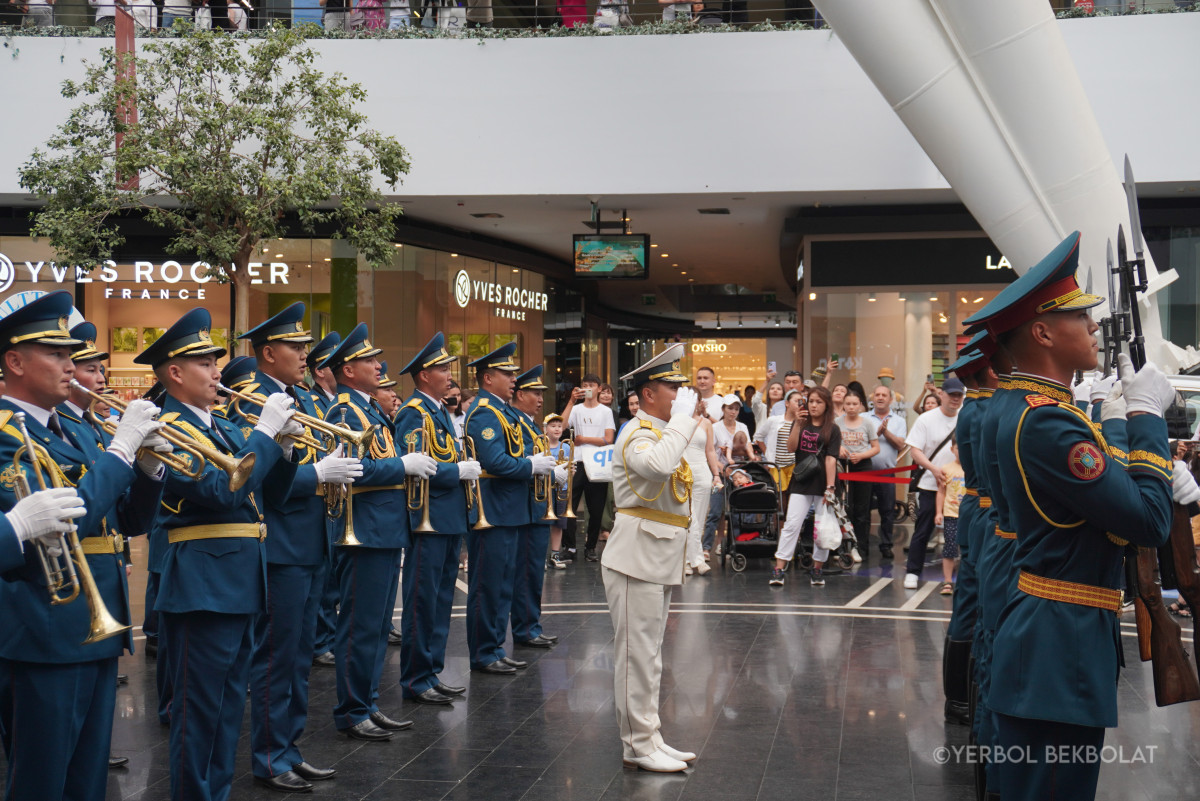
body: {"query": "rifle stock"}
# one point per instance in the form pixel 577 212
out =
pixel 1187 572
pixel 1175 679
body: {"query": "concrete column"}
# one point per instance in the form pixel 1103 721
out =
pixel 918 348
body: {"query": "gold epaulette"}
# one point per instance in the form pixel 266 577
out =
pixel 481 402
pixel 5 416
pixel 343 397
pixel 415 403
pixel 220 411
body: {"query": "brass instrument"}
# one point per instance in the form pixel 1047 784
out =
pixel 331 434
pixel 416 488
pixel 69 570
pixel 198 453
pixel 339 499
pixel 474 493
pixel 543 486
pixel 566 455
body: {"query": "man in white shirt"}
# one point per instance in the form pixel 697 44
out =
pixel 706 381
pixel 892 430
pixel 592 424
pixel 926 447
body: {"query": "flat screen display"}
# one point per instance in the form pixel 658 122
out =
pixel 611 255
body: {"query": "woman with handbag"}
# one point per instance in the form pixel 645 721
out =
pixel 816 441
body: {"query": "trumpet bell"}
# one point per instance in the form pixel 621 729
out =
pixel 238 470
pixel 103 625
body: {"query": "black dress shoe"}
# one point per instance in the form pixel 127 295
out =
pixel 286 782
pixel 307 771
pixel 122 678
pixel 498 668
pixel 446 689
pixel 886 553
pixel 367 730
pixel 432 696
pixel 151 647
pixel 384 722
pixel 537 642
pixel 590 555
pixel 550 637
pixel 325 660
pixel 519 664
pixel 393 637
pixel 117 762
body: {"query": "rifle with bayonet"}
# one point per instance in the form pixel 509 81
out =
pixel 1159 636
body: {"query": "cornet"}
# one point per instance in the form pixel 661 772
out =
pixel 416 488
pixel 69 570
pixel 331 434
pixel 192 465
pixel 474 493
pixel 543 486
pixel 566 455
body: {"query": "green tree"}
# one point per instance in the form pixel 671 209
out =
pixel 229 138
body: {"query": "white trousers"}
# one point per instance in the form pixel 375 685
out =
pixel 798 506
pixel 639 615
pixel 701 490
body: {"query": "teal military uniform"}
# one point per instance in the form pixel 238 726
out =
pixel 534 539
pixel 431 562
pixel 327 612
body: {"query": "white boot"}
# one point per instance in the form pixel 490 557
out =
pixel 682 756
pixel 657 762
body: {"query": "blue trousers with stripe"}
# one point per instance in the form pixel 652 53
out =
pixel 1068 774
pixel 327 614
pixel 493 561
pixel 430 572
pixel 57 728
pixel 527 588
pixel 279 667
pixel 150 622
pixel 210 669
pixel 367 580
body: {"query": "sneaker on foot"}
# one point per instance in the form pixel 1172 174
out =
pixel 590 555
pixel 815 578
pixel 855 556
pixel 556 561
pixel 687 570
pixel 776 578
pixel 910 581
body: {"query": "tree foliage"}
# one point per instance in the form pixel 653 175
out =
pixel 230 137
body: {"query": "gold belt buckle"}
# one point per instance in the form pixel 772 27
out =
pixel 262 531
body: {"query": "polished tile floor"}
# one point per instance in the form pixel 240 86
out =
pixel 798 692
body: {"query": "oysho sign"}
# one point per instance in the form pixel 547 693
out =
pixel 144 272
pixel 711 346
pixel 509 302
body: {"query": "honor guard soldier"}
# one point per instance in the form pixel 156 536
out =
pixel 493 428
pixel 1065 494
pixel 297 559
pixel 214 571
pixel 534 540
pixel 375 531
pixel 956 653
pixel 438 525
pixel 325 389
pixel 644 558
pixel 58 660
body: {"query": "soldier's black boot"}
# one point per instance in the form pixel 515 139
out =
pixel 956 680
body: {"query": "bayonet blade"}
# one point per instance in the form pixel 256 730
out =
pixel 1135 217
pixel 1114 296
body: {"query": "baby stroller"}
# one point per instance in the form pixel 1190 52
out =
pixel 754 514
pixel 841 559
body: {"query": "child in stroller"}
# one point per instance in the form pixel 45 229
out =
pixel 752 501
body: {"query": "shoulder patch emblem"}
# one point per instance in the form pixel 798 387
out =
pixel 1040 400
pixel 489 433
pixel 1085 461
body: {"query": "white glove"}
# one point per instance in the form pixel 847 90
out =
pixel 1114 404
pixel 685 402
pixel 137 424
pixel 1082 391
pixel 560 474
pixel 1183 485
pixel 1146 390
pixel 155 443
pixel 1101 387
pixel 45 512
pixel 276 412
pixel 469 470
pixel 338 469
pixel 291 428
pixel 419 465
pixel 542 463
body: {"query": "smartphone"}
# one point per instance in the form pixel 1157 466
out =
pixel 929 378
pixel 771 367
pixel 587 394
pixel 833 357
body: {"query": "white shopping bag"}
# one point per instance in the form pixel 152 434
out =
pixel 597 461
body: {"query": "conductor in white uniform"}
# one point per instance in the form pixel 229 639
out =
pixel 644 557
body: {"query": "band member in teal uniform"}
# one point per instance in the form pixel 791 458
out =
pixel 389 404
pixel 534 539
pixel 214 571
pixel 368 571
pixel 1057 649
pixel 57 692
pixel 297 557
pixel 508 468
pixel 324 387
pixel 431 562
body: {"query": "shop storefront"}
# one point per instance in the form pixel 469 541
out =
pixel 479 304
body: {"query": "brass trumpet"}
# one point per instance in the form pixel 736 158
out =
pixel 331 434
pixel 543 486
pixel 192 465
pixel 417 489
pixel 69 570
pixel 474 493
pixel 339 498
pixel 566 455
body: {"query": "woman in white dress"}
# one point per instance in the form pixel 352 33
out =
pixel 701 456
